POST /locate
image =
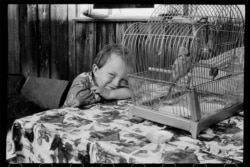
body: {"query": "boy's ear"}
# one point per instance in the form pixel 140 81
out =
pixel 95 68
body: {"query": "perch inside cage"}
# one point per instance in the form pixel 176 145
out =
pixel 185 62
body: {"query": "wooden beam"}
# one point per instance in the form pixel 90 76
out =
pixel 44 40
pixel 72 13
pixel 59 41
pixel 29 39
pixel 13 40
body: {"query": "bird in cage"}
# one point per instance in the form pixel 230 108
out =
pixel 208 44
pixel 180 69
pixel 181 65
pixel 213 72
pixel 180 76
pixel 207 50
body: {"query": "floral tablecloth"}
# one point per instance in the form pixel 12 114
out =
pixel 104 134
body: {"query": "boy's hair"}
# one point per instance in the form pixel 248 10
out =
pixel 106 52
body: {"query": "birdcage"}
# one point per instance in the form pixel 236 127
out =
pixel 188 65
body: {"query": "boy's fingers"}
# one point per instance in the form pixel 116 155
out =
pixel 89 95
pixel 93 101
pixel 94 88
pixel 88 99
pixel 97 91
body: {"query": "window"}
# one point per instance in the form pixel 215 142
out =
pixel 138 10
pixel 120 10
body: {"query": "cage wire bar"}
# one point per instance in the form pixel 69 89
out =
pixel 188 65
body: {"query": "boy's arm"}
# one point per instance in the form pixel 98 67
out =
pixel 122 92
pixel 79 93
pixel 119 93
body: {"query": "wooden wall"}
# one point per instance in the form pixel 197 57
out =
pixel 47 41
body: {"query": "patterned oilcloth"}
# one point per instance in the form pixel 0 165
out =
pixel 104 134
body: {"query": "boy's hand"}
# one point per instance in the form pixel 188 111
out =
pixel 104 93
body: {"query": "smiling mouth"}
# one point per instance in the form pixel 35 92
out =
pixel 110 87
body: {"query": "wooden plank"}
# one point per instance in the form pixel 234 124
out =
pixel 28 35
pixel 92 43
pixel 120 29
pixel 78 43
pixel 44 40
pixel 59 41
pixel 88 47
pixel 32 37
pixel 81 48
pixel 22 35
pixel 72 13
pixel 13 40
pixel 103 35
pixel 98 37
pixel 111 29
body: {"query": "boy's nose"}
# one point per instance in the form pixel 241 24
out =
pixel 115 83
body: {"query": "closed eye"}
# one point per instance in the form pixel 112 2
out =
pixel 111 75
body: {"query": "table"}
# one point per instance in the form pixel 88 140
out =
pixel 104 134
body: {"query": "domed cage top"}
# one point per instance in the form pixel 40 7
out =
pixel 188 62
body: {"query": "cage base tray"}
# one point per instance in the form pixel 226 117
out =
pixel 194 127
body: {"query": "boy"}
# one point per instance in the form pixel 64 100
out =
pixel 107 80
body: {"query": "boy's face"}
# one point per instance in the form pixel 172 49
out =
pixel 111 74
